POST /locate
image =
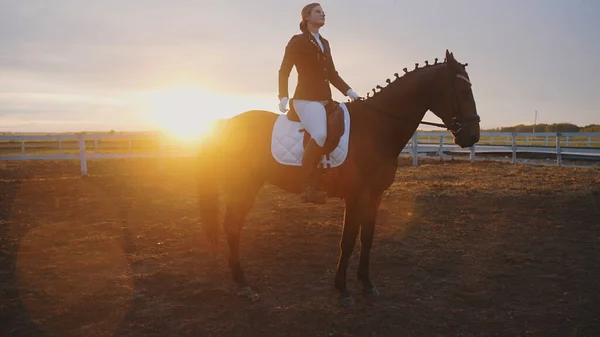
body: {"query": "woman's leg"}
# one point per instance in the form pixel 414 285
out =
pixel 314 119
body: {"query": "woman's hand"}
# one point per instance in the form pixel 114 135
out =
pixel 353 96
pixel 283 104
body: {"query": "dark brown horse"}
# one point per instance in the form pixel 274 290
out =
pixel 237 160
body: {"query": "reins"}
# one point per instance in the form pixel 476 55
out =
pixel 395 116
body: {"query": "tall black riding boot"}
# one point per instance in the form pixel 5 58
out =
pixel 312 156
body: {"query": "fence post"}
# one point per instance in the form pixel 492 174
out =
pixel 473 153
pixel 82 159
pixel 414 150
pixel 441 151
pixel 558 150
pixel 514 147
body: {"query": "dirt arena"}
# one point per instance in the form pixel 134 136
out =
pixel 484 249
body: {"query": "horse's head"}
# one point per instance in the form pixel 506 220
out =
pixel 454 103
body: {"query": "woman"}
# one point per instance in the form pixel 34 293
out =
pixel 311 55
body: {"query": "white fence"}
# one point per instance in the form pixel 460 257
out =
pixel 574 144
pixel 422 144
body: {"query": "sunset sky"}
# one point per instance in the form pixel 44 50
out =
pixel 73 65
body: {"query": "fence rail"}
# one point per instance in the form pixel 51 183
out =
pixel 155 145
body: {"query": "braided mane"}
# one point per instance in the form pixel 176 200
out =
pixel 407 72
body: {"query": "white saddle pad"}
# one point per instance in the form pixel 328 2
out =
pixel 287 147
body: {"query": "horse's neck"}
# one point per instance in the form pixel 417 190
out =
pixel 404 105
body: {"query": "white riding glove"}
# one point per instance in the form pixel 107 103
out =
pixel 283 104
pixel 353 96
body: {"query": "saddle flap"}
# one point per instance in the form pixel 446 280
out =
pixel 287 141
pixel 335 127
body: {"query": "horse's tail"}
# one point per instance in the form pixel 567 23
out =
pixel 208 181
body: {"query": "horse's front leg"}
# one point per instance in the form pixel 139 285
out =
pixel 349 233
pixel 367 230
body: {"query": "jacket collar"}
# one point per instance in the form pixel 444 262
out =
pixel 315 44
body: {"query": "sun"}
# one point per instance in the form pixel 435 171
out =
pixel 185 114
pixel 188 113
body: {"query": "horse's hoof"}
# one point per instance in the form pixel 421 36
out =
pixel 243 291
pixel 253 297
pixel 247 293
pixel 347 302
pixel 371 292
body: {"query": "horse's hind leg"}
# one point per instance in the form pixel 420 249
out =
pixel 238 203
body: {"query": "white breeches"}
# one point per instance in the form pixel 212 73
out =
pixel 313 118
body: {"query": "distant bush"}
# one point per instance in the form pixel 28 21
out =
pixel 556 127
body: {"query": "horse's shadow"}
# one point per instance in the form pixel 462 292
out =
pixel 14 315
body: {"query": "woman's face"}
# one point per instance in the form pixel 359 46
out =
pixel 316 17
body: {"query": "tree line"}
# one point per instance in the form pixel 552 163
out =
pixel 555 127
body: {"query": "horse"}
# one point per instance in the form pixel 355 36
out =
pixel 239 158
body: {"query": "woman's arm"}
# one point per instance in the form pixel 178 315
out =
pixel 335 79
pixel 286 67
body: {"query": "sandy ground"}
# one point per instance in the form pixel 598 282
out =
pixel 484 249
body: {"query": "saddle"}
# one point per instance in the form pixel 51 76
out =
pixel 335 125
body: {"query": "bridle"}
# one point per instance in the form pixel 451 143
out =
pixel 456 123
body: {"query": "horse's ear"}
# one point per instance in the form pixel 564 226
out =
pixel 449 56
pixel 453 63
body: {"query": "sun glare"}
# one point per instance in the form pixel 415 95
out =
pixel 187 113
